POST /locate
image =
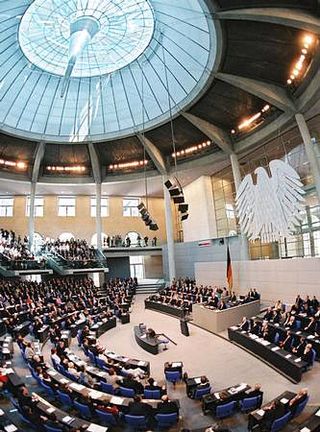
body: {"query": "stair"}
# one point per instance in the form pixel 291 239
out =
pixel 150 287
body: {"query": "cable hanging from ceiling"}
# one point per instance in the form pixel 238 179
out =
pixel 175 189
pixel 144 209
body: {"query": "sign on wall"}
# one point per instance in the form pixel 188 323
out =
pixel 270 208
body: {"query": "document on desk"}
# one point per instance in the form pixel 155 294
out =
pixel 318 413
pixel 67 419
pixel 116 400
pixel 310 337
pixel 305 429
pixel 217 395
pixel 50 410
pixel 94 394
pixel 260 412
pixel 197 380
pixel 177 364
pixel 96 428
pixel 1 412
pixel 141 363
pixel 288 356
pixel 234 328
pixel 284 401
pixel 10 428
pixel 275 348
pixel 143 336
pixel 297 360
pixel 77 387
pixel 264 342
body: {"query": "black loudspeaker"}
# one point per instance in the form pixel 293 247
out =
pixel 178 199
pixel 184 216
pixel 184 327
pixel 154 227
pixel 168 184
pixel 183 208
pixel 140 206
pixel 174 191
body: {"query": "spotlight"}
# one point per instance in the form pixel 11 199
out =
pixel 183 208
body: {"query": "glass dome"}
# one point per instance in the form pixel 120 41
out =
pixel 70 73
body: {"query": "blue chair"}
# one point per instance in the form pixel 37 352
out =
pixel 300 407
pixel 136 421
pixel 106 418
pixel 280 422
pixel 64 398
pixel 47 388
pixel 106 388
pixel 101 364
pixel 226 410
pixel 298 324
pixel 52 429
pixel 166 420
pixel 84 410
pixel 79 338
pixel 92 357
pixel 276 338
pixel 127 392
pixel 173 376
pixel 200 392
pixel 152 394
pixel 250 403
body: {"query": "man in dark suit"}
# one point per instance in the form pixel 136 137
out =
pixel 301 396
pixel 139 408
pixel 273 411
pixel 131 383
pixel 299 349
pixel 255 392
pixel 152 385
pixel 166 406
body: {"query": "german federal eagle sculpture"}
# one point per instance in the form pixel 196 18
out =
pixel 270 209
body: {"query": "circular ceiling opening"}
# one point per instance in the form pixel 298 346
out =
pixel 111 33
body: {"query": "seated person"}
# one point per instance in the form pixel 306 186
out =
pixel 245 324
pixel 254 392
pixel 139 408
pixel 131 383
pixel 312 326
pixel 300 397
pixel 268 316
pixel 307 355
pixel 166 406
pixel 273 411
pixel 204 384
pixel 257 328
pixel 287 342
pixel 152 385
pixel 299 348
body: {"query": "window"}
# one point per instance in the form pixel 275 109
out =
pixel 6 207
pixel 67 206
pixel 38 207
pixel 133 236
pixel 230 211
pixel 130 207
pixel 104 207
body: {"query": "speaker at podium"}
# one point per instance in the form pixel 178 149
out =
pixel 184 327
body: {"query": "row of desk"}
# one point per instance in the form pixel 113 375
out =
pixel 286 363
pixel 165 308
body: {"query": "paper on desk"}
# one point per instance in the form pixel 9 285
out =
pixel 217 395
pixel 260 412
pixel 141 363
pixel 234 328
pixel 10 428
pixel 50 410
pixel 77 387
pixel 176 364
pixel 305 429
pixel 94 394
pixel 67 419
pixel 318 413
pixel 284 401
pixel 275 348
pixel 297 360
pixel 288 356
pixel 116 400
pixel 197 380
pixel 1 412
pixel 96 428
pixel 310 337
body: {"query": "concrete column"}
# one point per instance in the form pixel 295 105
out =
pixel 304 131
pixel 98 216
pixel 31 214
pixel 169 230
pixel 237 180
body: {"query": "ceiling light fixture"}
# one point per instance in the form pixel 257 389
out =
pixel 300 65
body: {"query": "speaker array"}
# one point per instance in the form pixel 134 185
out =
pixel 176 193
pixel 147 219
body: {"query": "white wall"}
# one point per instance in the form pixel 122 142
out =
pixel 274 279
pixel 201 224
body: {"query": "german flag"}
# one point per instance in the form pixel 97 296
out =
pixel 229 269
